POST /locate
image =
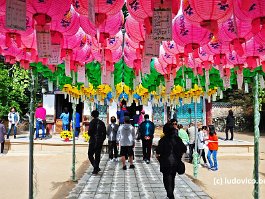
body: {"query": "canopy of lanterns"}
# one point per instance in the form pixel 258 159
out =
pixel 160 51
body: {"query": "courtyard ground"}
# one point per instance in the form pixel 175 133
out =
pixel 53 171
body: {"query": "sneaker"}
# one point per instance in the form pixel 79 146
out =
pixel 205 165
pixel 147 161
pixel 116 159
pixel 111 160
pixel 214 169
pixel 15 137
pixel 132 166
pixel 95 172
pixel 124 167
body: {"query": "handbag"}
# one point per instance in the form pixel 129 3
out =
pixel 181 168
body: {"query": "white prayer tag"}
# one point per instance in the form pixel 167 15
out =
pixel 16 14
pixel 151 47
pixel 54 59
pixel 86 82
pixel 91 11
pixel 146 65
pixel 67 66
pixel 162 24
pixel 50 85
pixel 226 81
pixel 246 87
pixel 43 41
pixel 240 81
pixel 106 78
pixel 188 84
pixel 81 74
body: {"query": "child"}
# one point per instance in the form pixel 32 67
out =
pixel 201 144
pixel 213 147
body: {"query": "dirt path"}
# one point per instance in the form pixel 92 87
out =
pixel 52 179
pixel 220 185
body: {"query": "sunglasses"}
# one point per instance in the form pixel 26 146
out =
pixel 174 123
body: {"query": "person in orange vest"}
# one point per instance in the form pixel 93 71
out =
pixel 213 148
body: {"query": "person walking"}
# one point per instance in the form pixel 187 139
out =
pixel 126 139
pixel 13 120
pixel 174 122
pixel 2 135
pixel 77 124
pixel 169 153
pixel 183 135
pixel 40 116
pixel 191 132
pixel 112 138
pixel 230 124
pixel 201 144
pixel 65 119
pixel 97 133
pixel 121 114
pixel 213 147
pixel 146 131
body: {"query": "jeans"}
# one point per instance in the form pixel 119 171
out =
pixel 39 124
pixel 65 127
pixel 191 148
pixel 202 154
pixel 231 128
pixel 95 149
pixel 113 147
pixel 77 131
pixel 169 184
pixel 147 147
pixel 9 130
pixel 2 146
pixel 214 163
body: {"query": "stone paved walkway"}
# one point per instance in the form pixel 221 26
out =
pixel 145 181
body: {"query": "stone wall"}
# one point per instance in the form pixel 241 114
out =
pixel 220 112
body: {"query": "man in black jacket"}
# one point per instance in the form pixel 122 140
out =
pixel 169 153
pixel 146 131
pixel 97 133
pixel 230 124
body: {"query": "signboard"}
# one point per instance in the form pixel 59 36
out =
pixel 43 41
pixel 16 14
pixel 49 105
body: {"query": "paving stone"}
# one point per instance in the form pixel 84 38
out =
pixel 145 181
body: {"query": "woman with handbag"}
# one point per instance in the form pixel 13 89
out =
pixel 169 153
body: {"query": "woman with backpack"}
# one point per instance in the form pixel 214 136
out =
pixel 169 153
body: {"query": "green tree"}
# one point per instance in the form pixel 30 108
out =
pixel 14 83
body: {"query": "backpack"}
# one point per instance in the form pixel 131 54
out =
pixel 100 133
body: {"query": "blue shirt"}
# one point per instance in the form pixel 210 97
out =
pixel 120 115
pixel 65 118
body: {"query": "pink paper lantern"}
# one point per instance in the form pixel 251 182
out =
pixel 29 45
pixel 112 25
pixel 113 43
pixel 68 23
pixel 207 14
pixel 82 55
pixel 11 54
pixel 2 7
pixel 142 11
pixel 219 50
pixel 134 30
pixel 236 32
pixel 45 11
pixel 77 41
pixel 188 35
pixel 251 10
pixel 103 8
pixel 15 35
pixel 234 59
pixel 254 51
pixel 159 68
pixel 205 59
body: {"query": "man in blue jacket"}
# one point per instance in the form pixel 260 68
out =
pixel 146 130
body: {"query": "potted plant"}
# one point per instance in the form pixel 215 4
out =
pixel 66 135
